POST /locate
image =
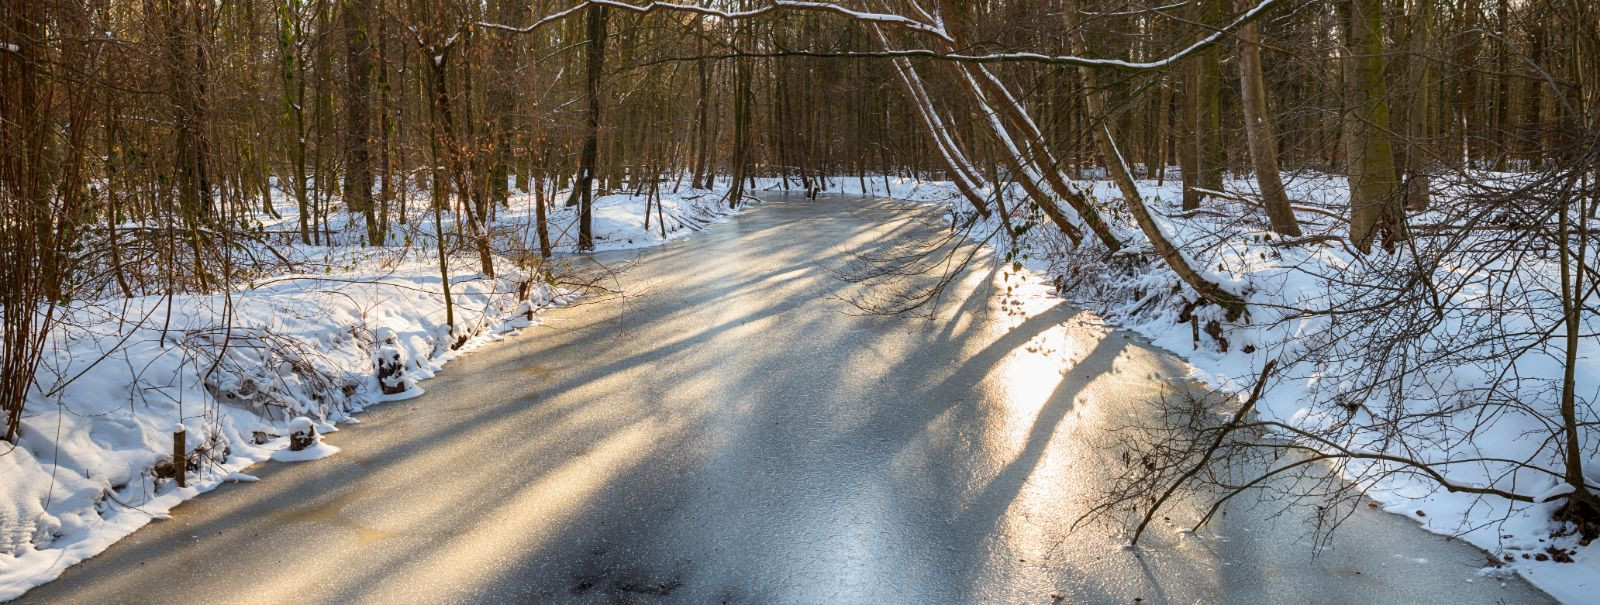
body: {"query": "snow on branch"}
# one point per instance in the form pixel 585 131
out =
pixel 776 5
pixel 1139 11
pixel 907 23
pixel 1239 21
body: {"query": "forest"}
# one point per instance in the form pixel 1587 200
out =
pixel 1379 212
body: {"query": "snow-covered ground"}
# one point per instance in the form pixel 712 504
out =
pixel 1489 398
pixel 238 370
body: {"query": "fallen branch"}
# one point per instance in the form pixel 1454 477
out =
pixel 1255 395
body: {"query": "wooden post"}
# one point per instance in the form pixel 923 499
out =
pixel 1194 328
pixel 179 456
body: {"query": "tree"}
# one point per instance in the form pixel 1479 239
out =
pixel 1375 208
pixel 1262 139
pixel 1116 165
pixel 583 190
pixel 1420 85
pixel 293 76
pixel 1203 110
pixel 358 116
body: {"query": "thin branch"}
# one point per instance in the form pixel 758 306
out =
pixel 777 5
pixel 1255 395
pixel 904 22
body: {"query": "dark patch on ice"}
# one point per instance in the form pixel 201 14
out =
pixel 657 590
pixel 623 585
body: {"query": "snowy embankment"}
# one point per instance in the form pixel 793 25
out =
pixel 1478 379
pixel 238 370
pixel 619 221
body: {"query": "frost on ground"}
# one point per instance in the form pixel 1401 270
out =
pixel 295 346
pixel 1472 392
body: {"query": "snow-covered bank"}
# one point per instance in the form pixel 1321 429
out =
pixel 1482 382
pixel 235 368
pixel 619 220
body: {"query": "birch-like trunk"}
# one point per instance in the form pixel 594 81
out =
pixel 1117 166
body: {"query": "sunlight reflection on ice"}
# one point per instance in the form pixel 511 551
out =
pixel 521 520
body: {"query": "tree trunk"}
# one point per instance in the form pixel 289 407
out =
pixel 741 132
pixel 541 223
pixel 1581 504
pixel 1204 99
pixel 1116 165
pixel 358 116
pixel 1375 210
pixel 582 192
pixel 292 72
pixel 1259 132
pixel 702 157
pixel 1419 115
pixel 954 159
pixel 1022 128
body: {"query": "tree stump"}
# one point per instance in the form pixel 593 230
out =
pixel 302 434
pixel 391 371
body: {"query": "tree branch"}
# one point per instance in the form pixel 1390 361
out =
pixel 1205 458
pixel 903 22
pixel 777 5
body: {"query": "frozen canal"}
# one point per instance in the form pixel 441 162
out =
pixel 727 432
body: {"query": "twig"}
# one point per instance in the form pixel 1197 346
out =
pixel 1255 394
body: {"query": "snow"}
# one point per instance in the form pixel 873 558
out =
pixel 301 427
pixel 316 452
pixel 1555 491
pixel 240 371
pixel 1280 284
